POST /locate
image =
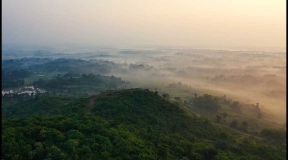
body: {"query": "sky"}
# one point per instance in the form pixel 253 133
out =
pixel 192 23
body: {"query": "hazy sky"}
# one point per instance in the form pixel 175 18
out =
pixel 211 23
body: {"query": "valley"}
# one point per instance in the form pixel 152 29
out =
pixel 149 101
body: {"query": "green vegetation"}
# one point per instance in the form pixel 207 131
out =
pixel 36 105
pixel 14 78
pixel 15 71
pixel 206 102
pixel 174 122
pixel 126 124
pixel 37 76
pixel 251 118
pixel 274 134
pixel 75 84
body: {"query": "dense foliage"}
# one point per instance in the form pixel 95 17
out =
pixel 37 105
pixel 14 78
pixel 206 102
pixel 15 71
pixel 274 134
pixel 127 124
pixel 77 65
pixel 76 84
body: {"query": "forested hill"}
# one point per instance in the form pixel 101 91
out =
pixel 125 124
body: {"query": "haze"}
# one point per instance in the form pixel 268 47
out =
pixel 241 24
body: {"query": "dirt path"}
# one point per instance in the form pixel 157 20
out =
pixel 91 103
pixel 198 115
pixel 235 130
